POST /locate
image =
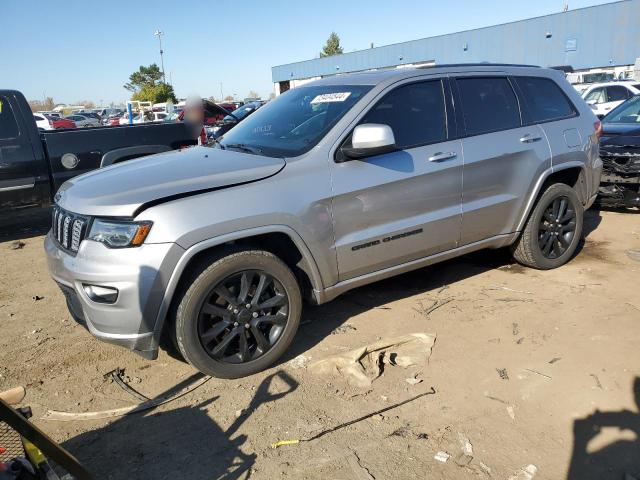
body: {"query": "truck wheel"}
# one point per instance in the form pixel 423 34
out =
pixel 239 315
pixel 553 230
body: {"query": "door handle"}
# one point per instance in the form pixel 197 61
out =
pixel 529 138
pixel 440 156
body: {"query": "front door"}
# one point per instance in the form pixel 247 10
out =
pixel 397 207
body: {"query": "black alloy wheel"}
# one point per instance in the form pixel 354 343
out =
pixel 243 317
pixel 557 228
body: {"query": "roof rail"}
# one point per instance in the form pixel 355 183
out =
pixel 478 64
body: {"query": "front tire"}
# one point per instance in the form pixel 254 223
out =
pixel 553 230
pixel 239 315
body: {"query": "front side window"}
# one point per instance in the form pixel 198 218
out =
pixel 295 122
pixel 488 104
pixel 617 93
pixel 596 96
pixel 8 123
pixel 415 112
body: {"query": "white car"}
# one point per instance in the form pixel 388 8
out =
pixel 148 117
pixel 42 122
pixel 604 97
pixel 82 121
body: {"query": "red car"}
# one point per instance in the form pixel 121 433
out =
pixel 58 122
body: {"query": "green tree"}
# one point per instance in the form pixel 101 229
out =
pixel 332 47
pixel 146 85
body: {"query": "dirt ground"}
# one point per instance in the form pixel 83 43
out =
pixel 532 367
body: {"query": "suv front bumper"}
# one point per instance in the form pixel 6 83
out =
pixel 139 274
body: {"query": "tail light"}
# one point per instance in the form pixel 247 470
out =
pixel 598 128
pixel 203 137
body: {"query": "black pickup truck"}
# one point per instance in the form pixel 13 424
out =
pixel 34 164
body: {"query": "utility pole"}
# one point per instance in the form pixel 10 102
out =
pixel 221 95
pixel 158 33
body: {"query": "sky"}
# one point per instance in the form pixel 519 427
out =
pixel 75 50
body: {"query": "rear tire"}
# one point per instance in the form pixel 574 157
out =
pixel 553 231
pixel 239 315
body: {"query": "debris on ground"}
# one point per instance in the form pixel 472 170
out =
pixel 511 412
pixel 118 412
pixel 413 380
pixel 425 311
pixel 36 298
pixel 442 456
pixel 17 245
pixel 504 375
pixel 466 454
pixel 361 366
pixel 343 329
pixel 595 377
pixel 376 414
pixel 118 376
pixel 507 289
pixel 525 473
pixel 299 362
pixel 555 359
pixel 485 468
pixel 515 329
pixel 538 373
pixel 633 255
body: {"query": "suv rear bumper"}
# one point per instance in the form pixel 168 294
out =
pixel 139 274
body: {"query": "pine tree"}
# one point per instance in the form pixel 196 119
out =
pixel 332 47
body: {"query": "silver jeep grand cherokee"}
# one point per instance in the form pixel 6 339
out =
pixel 333 185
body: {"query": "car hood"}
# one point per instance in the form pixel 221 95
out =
pixel 125 189
pixel 620 139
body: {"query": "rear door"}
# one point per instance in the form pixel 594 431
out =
pixel 616 94
pixel 502 156
pixel 396 207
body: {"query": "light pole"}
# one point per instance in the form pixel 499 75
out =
pixel 158 33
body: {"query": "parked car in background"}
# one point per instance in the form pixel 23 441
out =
pixel 61 123
pixel 332 185
pixel 83 121
pixel 235 117
pixel 620 154
pixel 36 162
pixel 42 122
pixel 604 97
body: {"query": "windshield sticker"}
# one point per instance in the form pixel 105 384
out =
pixel 331 97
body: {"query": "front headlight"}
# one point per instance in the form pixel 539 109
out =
pixel 116 234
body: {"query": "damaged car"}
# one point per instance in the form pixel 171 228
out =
pixel 620 154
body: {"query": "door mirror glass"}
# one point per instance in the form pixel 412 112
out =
pixel 370 139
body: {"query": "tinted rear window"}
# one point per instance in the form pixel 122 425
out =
pixel 544 99
pixel 488 104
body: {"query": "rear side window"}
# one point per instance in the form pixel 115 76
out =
pixel 544 99
pixel 415 112
pixel 488 104
pixel 617 93
pixel 8 123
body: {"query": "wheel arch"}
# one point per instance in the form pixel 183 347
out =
pixel 280 240
pixel 570 173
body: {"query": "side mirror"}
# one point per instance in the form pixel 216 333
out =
pixel 368 140
pixel 592 102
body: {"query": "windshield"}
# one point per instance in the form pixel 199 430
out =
pixel 294 122
pixel 628 112
pixel 242 112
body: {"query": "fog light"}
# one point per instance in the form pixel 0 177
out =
pixel 101 294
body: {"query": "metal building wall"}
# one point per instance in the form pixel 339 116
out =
pixel 599 36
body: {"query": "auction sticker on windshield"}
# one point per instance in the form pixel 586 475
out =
pixel 331 97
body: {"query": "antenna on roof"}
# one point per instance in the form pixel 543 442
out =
pixel 566 7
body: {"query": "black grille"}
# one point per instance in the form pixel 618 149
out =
pixel 68 229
